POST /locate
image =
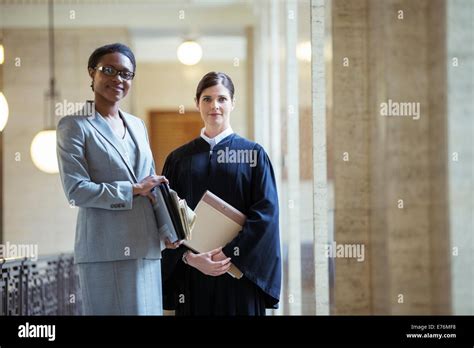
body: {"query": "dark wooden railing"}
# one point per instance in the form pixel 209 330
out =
pixel 47 286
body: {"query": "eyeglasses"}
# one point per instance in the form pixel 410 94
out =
pixel 111 71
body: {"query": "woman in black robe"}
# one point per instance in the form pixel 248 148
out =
pixel 238 171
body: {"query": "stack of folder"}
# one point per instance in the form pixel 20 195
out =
pixel 175 219
pixel 213 224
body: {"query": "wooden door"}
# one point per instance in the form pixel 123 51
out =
pixel 169 130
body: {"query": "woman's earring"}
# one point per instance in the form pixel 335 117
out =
pixel 92 85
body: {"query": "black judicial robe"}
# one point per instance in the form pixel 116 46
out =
pixel 250 188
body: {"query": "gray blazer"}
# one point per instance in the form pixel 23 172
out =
pixel 112 224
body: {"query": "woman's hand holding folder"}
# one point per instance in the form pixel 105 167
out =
pixel 146 186
pixel 212 263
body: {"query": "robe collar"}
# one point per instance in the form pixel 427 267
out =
pixel 218 138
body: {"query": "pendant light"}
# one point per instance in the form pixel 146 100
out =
pixel 2 53
pixel 189 52
pixel 3 111
pixel 43 146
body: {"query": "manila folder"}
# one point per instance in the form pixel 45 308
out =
pixel 217 223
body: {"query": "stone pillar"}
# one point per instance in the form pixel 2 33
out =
pixel 275 86
pixel 261 121
pixel 293 160
pixel 390 172
pixel 350 136
pixel 276 129
pixel 250 92
pixel 460 70
pixel 319 9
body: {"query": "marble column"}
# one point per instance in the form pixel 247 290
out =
pixel 460 70
pixel 390 172
pixel 350 137
pixel 319 11
pixel 293 161
pixel 261 121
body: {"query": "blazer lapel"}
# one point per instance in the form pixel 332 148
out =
pixel 130 124
pixel 104 129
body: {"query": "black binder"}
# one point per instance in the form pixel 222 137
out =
pixel 167 213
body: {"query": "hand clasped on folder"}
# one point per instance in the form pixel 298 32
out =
pixel 213 224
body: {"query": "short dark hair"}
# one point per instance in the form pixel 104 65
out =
pixel 112 48
pixel 214 78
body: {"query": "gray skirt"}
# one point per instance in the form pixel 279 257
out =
pixel 125 287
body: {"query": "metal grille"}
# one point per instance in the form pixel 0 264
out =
pixel 48 286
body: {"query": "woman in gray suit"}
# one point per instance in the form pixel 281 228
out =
pixel 107 170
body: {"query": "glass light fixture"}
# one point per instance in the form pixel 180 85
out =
pixel 43 151
pixel 189 52
pixel 303 51
pixel 3 111
pixel 2 54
